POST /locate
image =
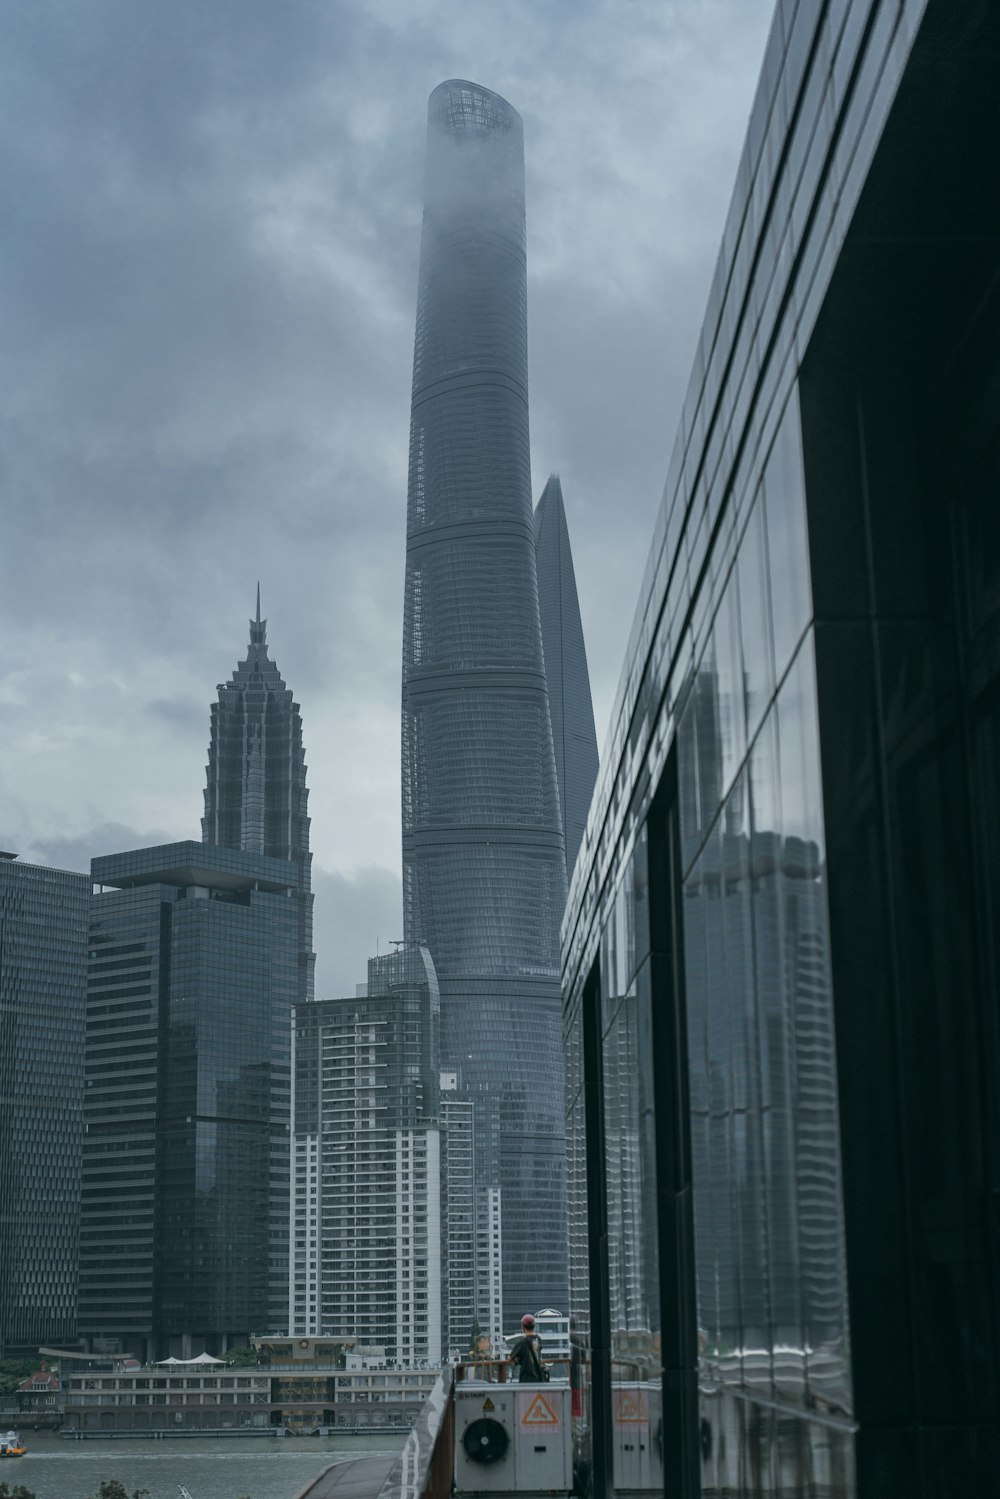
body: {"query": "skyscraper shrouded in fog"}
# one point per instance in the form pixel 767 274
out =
pixel 256 798
pixel 43 925
pixel 484 875
pixel 574 737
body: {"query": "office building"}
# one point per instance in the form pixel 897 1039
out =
pixel 192 975
pixel 256 798
pixel 574 737
pixel 43 925
pixel 483 858
pixel 366 1263
pixel 780 946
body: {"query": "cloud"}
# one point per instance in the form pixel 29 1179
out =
pixel 76 852
pixel 207 290
pixel 356 914
pixel 185 715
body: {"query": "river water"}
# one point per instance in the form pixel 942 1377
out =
pixel 210 1467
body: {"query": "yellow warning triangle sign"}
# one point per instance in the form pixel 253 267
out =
pixel 539 1413
pixel 631 1406
pixel 488 1404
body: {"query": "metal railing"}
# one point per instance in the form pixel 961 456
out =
pixel 423 1469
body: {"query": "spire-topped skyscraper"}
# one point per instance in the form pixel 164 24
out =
pixel 256 797
pixel 484 876
pixel 574 737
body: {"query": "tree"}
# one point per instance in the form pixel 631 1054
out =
pixel 112 1489
pixel 242 1358
pixel 13 1371
pixel 17 1492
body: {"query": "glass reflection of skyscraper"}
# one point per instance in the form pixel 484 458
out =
pixel 781 950
pixel 483 860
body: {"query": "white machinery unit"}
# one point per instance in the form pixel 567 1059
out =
pixel 637 1412
pixel 513 1438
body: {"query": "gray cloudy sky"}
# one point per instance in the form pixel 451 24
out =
pixel 207 291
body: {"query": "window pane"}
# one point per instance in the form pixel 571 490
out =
pixel 755 619
pixel 788 555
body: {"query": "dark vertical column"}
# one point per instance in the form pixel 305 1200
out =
pixel 675 1228
pixel 900 443
pixel 601 1425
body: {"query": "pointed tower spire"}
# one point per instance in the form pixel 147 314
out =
pixel 256 797
pixel 258 627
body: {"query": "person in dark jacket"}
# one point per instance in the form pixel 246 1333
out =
pixel 526 1352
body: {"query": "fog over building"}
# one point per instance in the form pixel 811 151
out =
pixel 484 876
pixel 574 737
pixel 43 931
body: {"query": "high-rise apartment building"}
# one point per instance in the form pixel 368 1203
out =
pixel 471 1224
pixel 193 972
pixel 574 737
pixel 366 1256
pixel 483 856
pixel 256 797
pixel 43 928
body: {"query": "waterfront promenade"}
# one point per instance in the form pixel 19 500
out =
pixel 358 1478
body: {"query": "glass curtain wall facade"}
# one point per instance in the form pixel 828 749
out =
pixel 366 1261
pixel 193 971
pixel 256 798
pixel 780 944
pixel 483 861
pixel 43 928
pixel 574 737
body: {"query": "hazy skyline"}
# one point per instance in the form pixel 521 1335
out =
pixel 208 294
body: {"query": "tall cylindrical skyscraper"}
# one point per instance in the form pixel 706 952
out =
pixel 483 869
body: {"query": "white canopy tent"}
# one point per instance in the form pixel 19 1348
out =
pixel 202 1359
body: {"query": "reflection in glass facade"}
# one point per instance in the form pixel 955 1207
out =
pixel 43 923
pixel 484 878
pixel 780 970
pixel 192 974
pixel 574 737
pixel 366 1154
